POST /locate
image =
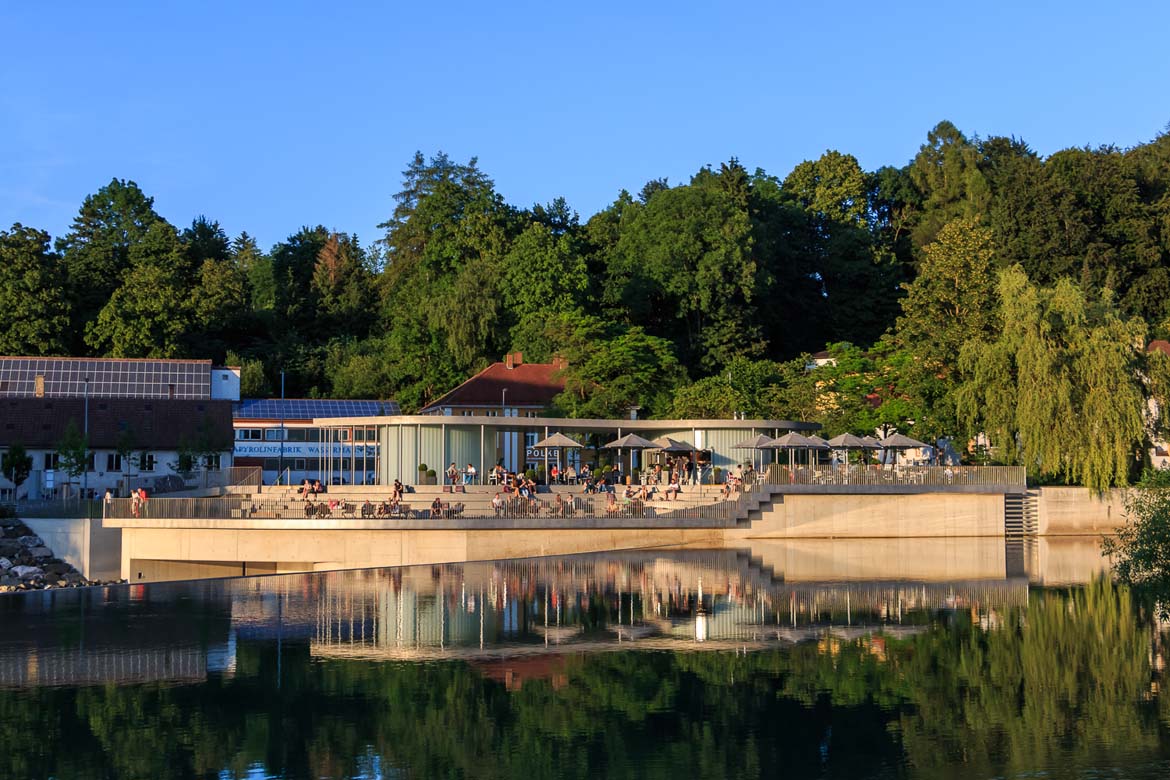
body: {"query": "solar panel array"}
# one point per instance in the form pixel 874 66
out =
pixel 66 378
pixel 308 408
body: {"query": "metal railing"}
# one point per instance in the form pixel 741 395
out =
pixel 55 507
pixel 473 506
pixel 234 476
pixel 932 477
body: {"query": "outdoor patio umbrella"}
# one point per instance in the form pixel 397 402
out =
pixel 755 443
pixel 667 444
pixel 821 444
pixel 872 441
pixel 898 441
pixel 847 441
pixel 631 441
pixel 794 441
pixel 558 440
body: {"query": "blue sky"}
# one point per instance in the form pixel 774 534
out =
pixel 267 116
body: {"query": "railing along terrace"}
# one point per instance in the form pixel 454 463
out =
pixel 577 506
pixel 233 476
pixel 935 477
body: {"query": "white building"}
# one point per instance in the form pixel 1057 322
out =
pixel 148 422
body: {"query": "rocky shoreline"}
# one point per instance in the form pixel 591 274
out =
pixel 27 564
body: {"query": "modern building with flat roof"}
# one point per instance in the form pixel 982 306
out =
pixel 394 447
pixel 280 436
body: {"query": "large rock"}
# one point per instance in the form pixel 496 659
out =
pixel 31 541
pixel 5 564
pixel 57 568
pixel 9 548
pixel 40 552
pixel 27 572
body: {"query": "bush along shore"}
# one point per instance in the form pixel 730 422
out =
pixel 27 564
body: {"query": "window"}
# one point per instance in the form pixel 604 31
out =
pixel 113 462
pixel 467 413
pixel 272 434
pixel 530 414
pixel 248 434
pixel 299 464
pixel 146 461
pixel 295 434
pixel 52 461
pixel 211 461
pixel 271 464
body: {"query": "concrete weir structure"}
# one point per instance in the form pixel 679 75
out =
pixel 273 532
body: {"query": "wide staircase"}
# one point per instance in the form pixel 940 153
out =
pixel 475 501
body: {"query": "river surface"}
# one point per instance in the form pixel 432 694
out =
pixel 963 659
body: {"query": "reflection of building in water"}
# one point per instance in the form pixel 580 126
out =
pixel 99 636
pixel 680 599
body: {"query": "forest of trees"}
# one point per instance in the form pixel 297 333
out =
pixel 979 288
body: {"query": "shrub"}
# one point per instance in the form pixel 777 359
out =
pixel 423 468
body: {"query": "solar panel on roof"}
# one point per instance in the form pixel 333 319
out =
pixel 308 408
pixel 67 378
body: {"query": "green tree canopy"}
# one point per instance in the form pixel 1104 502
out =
pixel 1058 387
pixel 34 312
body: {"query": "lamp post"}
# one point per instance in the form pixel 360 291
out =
pixel 280 462
pixel 85 436
pixel 504 413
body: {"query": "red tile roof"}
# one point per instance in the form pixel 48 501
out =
pixel 528 384
pixel 1159 345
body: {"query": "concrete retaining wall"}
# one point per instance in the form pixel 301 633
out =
pixel 1077 511
pixel 85 544
pixel 875 516
pixel 147 553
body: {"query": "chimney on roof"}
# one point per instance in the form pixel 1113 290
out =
pixel 508 362
pixel 513 359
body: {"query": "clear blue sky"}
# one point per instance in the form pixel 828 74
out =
pixel 267 116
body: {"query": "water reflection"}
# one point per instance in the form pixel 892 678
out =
pixel 709 663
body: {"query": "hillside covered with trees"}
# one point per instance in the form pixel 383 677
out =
pixel 979 288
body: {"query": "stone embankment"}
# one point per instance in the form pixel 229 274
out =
pixel 27 564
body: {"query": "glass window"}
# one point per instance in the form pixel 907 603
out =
pixel 295 434
pixel 146 461
pixel 113 461
pixel 272 434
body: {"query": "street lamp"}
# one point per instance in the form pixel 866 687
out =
pixel 280 463
pixel 85 436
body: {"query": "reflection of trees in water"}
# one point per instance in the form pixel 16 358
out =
pixel 1065 681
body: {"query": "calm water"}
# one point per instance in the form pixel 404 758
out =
pixel 694 663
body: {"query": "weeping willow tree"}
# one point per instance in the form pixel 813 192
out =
pixel 1059 387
